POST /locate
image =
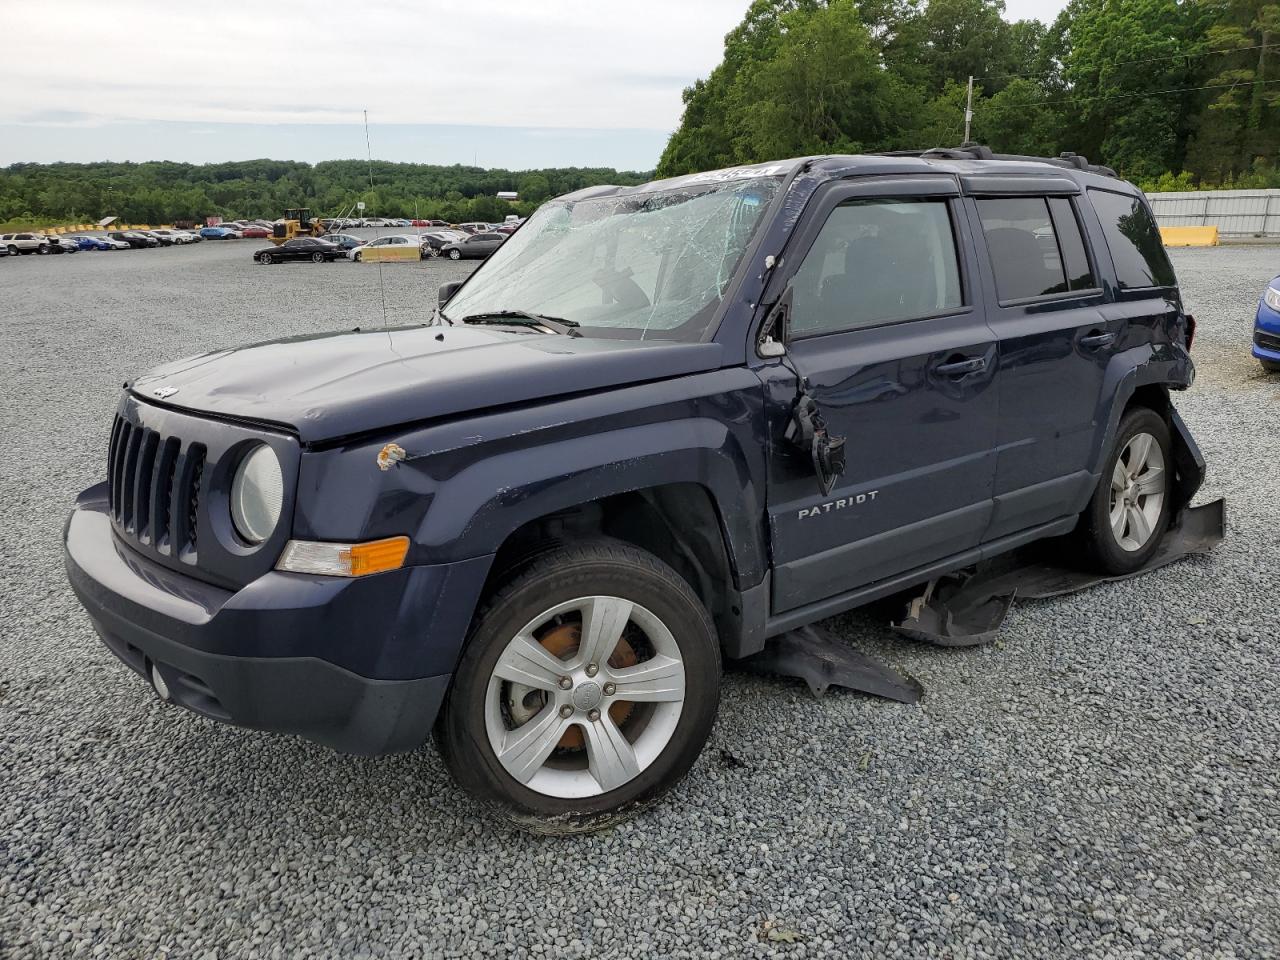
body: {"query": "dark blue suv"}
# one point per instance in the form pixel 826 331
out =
pixel 659 426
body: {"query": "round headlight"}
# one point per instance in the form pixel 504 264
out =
pixel 257 493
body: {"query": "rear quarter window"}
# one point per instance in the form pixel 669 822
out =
pixel 1133 239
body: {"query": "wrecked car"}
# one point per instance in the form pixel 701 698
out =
pixel 659 426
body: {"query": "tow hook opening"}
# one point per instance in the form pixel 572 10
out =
pixel 158 682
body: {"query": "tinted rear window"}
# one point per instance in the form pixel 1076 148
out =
pixel 1023 247
pixel 1134 241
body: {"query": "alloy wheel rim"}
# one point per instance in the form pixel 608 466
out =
pixel 585 697
pixel 1138 483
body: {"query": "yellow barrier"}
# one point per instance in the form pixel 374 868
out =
pixel 388 254
pixel 1189 236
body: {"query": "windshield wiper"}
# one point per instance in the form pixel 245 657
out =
pixel 526 319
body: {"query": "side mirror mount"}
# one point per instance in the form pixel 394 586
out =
pixel 447 290
pixel 775 332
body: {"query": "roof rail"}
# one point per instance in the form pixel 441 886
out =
pixel 976 151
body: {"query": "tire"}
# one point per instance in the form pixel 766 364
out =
pixel 356 256
pixel 455 254
pixel 42 249
pixel 317 258
pixel 13 250
pixel 1123 526
pixel 1271 366
pixel 574 792
pixel 266 258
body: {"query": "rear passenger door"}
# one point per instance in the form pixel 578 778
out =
pixel 889 336
pixel 1055 342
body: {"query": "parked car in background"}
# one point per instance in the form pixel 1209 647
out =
pixel 62 245
pixel 17 243
pixel 299 248
pixel 434 241
pixel 255 232
pixel 92 243
pixel 174 236
pixel 1266 328
pixel 164 239
pixel 217 233
pixel 506 228
pixel 396 240
pixel 472 228
pixel 344 241
pixel 236 231
pixel 475 247
pixel 134 238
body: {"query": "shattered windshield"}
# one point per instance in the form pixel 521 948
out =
pixel 638 266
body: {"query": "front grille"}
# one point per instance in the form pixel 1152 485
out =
pixel 154 488
pixel 1267 341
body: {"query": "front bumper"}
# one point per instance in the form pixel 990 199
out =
pixel 360 665
pixel 1266 334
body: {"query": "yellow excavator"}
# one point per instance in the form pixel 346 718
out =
pixel 297 222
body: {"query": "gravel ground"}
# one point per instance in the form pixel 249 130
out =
pixel 1101 781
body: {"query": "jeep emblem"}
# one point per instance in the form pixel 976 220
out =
pixel 163 392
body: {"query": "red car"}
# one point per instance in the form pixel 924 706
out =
pixel 257 233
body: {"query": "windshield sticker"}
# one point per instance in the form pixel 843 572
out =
pixel 736 173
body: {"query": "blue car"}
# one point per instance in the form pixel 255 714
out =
pixel 92 243
pixel 215 233
pixel 1266 328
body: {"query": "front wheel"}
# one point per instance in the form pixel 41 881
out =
pixel 455 254
pixel 42 249
pixel 265 258
pixel 588 686
pixel 1271 366
pixel 13 250
pixel 1127 517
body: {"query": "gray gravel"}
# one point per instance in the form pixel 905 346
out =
pixel 1104 780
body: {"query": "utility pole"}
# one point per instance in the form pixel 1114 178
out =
pixel 968 111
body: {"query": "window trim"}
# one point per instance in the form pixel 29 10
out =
pixel 949 202
pixel 1120 289
pixel 1095 290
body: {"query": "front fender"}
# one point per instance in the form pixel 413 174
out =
pixel 463 486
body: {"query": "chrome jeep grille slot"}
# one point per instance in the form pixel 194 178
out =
pixel 162 492
pixel 190 502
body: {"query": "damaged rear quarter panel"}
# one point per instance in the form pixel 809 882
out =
pixel 466 484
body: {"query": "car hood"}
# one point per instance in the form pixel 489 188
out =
pixel 335 385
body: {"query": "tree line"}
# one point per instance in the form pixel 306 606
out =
pixel 161 192
pixel 1175 94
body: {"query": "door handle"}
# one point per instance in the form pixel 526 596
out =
pixel 958 368
pixel 1095 340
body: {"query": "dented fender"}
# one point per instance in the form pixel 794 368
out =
pixel 459 489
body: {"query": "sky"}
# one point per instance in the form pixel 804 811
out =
pixel 499 83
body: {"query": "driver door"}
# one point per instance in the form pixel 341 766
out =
pixel 889 338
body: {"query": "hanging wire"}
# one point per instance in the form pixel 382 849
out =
pixel 1157 93
pixel 1121 63
pixel 377 233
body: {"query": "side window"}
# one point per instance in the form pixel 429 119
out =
pixel 1136 248
pixel 1023 247
pixel 877 261
pixel 1071 245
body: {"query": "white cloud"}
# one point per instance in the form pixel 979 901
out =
pixel 554 63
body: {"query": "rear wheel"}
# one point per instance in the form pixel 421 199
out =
pixel 588 686
pixel 455 254
pixel 265 258
pixel 317 258
pixel 1129 512
pixel 42 249
pixel 13 250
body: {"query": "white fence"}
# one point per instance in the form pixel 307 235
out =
pixel 1236 213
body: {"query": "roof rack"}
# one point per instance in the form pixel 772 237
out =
pixel 976 151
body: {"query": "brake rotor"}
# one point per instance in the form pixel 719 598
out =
pixel 562 643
